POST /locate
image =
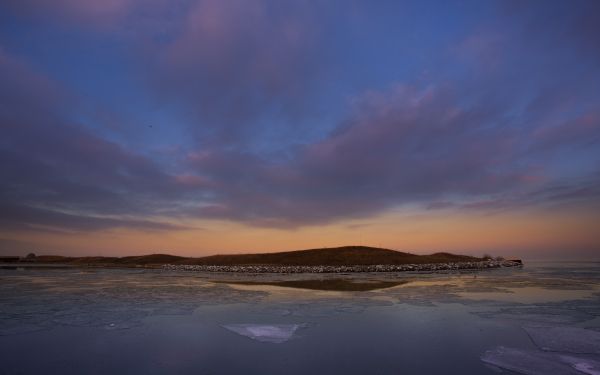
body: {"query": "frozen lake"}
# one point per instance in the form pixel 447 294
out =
pixel 541 319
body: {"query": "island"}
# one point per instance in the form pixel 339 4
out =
pixel 345 259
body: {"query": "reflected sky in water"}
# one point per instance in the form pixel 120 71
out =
pixel 98 321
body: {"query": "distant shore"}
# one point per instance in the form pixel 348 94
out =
pixel 425 267
pixel 344 259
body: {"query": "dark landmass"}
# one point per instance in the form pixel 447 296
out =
pixel 347 259
pixel 129 261
pixel 340 256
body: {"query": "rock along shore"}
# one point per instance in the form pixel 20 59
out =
pixel 344 269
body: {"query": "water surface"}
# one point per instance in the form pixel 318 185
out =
pixel 98 321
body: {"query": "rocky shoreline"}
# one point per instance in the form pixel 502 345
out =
pixel 344 269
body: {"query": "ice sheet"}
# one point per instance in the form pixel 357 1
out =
pixel 271 333
pixel 565 339
pixel 527 362
pixel 175 319
pixel 107 299
pixel 548 314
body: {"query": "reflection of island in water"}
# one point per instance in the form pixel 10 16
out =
pixel 333 284
pixel 206 323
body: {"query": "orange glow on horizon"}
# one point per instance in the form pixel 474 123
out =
pixel 508 234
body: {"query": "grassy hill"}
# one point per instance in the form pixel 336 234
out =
pixel 340 256
pixel 123 261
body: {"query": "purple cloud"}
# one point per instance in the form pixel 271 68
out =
pixel 399 147
pixel 507 115
pixel 56 173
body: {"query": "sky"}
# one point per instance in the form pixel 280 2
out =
pixel 197 127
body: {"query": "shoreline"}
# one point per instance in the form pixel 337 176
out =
pixel 282 269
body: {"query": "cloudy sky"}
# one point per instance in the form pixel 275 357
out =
pixel 208 126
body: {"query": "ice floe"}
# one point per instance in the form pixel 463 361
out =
pixel 557 344
pixel 584 365
pixel 271 333
pixel 535 362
